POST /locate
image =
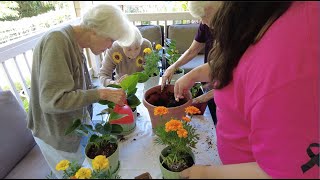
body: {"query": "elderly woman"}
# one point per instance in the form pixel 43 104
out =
pixel 124 59
pixel 266 82
pixel 60 83
pixel 203 10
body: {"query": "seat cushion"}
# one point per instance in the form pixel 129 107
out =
pixel 195 62
pixel 183 34
pixel 154 33
pixel 32 166
pixel 15 138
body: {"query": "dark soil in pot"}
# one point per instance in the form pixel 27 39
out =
pixel 164 98
pixel 106 149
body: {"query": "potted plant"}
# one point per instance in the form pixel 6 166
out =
pixel 151 66
pixel 179 136
pixel 155 97
pixel 172 55
pixel 103 139
pixel 73 170
pixel 197 91
pixel 129 85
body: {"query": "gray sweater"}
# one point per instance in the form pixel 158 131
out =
pixel 58 91
pixel 116 60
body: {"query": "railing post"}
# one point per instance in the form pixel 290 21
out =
pixel 12 86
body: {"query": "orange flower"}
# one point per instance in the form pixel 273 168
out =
pixel 191 110
pixel 173 125
pixel 160 110
pixel 185 118
pixel 182 133
pixel 73 177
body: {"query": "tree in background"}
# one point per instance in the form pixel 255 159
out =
pixel 15 10
pixel 8 10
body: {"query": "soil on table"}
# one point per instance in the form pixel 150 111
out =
pixel 106 149
pixel 164 98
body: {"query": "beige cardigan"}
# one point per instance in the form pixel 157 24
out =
pixel 116 60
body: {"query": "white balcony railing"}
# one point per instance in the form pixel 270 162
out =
pixel 20 51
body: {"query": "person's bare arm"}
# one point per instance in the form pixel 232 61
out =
pixel 232 171
pixel 187 56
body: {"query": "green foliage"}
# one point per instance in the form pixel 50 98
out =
pixel 195 89
pixel 8 10
pixel 172 54
pixel 171 135
pixel 33 8
pixel 14 10
pixel 152 58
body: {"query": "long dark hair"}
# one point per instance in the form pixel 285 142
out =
pixel 236 26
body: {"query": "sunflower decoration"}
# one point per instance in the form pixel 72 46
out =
pixel 139 61
pixel 117 57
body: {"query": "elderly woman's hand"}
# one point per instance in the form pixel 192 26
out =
pixel 115 95
pixel 182 86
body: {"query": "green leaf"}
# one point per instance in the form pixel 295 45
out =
pixel 107 127
pixel 100 128
pixel 88 128
pixel 130 82
pixel 116 129
pixel 74 126
pixel 142 77
pixel 114 86
pixel 105 111
pixel 133 101
pixel 114 116
pixel 94 138
pixel 132 91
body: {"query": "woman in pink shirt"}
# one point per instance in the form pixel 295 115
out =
pixel 265 67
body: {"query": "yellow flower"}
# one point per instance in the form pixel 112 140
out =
pixel 139 61
pixel 182 133
pixel 191 110
pixel 147 50
pixel 100 163
pixel 158 47
pixel 62 165
pixel 83 173
pixel 160 110
pixel 173 125
pixel 185 118
pixel 117 57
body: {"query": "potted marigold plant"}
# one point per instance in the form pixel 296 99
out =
pixel 151 66
pixel 103 139
pixel 73 170
pixel 179 136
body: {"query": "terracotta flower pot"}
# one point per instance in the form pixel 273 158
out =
pixel 154 97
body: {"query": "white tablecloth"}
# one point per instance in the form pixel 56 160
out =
pixel 138 152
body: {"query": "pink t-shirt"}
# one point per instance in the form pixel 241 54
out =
pixel 269 113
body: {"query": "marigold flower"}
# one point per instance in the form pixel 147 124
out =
pixel 185 118
pixel 158 47
pixel 100 163
pixel 160 110
pixel 117 57
pixel 62 165
pixel 191 110
pixel 182 133
pixel 173 125
pixel 139 61
pixel 147 50
pixel 83 173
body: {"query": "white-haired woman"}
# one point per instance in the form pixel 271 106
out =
pixel 125 60
pixel 203 10
pixel 60 83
